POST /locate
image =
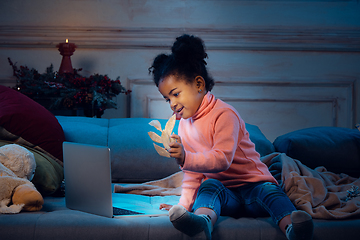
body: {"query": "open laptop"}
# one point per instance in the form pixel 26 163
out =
pixel 88 188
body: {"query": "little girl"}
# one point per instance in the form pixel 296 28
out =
pixel 223 174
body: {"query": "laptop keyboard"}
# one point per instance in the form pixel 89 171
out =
pixel 121 211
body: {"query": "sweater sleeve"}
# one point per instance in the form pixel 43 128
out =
pixel 190 185
pixel 225 139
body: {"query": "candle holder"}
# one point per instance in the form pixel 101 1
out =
pixel 66 50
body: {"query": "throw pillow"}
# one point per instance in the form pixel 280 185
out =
pixel 24 120
pixel 335 148
pixel 262 145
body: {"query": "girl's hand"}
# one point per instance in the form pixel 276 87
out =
pixel 165 206
pixel 177 150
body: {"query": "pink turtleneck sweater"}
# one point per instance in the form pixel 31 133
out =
pixel 217 146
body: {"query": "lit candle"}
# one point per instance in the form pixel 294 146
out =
pixel 66 50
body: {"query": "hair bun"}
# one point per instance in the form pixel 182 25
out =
pixel 158 64
pixel 188 48
pixel 159 60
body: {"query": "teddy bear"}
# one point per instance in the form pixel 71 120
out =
pixel 17 168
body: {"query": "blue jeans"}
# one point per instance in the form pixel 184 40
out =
pixel 251 200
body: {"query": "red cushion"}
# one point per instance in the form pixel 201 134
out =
pixel 27 119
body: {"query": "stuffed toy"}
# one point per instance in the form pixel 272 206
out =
pixel 17 168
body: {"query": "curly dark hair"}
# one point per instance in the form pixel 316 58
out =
pixel 187 59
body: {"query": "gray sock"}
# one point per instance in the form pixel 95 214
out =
pixel 190 223
pixel 302 227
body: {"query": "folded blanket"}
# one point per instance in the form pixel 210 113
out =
pixel 170 185
pixel 323 194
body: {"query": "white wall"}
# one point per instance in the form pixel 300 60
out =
pixel 257 49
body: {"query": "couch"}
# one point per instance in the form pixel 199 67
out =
pixel 134 160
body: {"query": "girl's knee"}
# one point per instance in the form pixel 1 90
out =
pixel 271 188
pixel 212 184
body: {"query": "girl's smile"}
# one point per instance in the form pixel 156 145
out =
pixel 184 98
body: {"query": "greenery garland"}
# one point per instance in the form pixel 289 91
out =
pixel 68 91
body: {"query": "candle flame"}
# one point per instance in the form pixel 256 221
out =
pixel 67 40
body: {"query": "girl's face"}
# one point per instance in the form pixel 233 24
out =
pixel 184 97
